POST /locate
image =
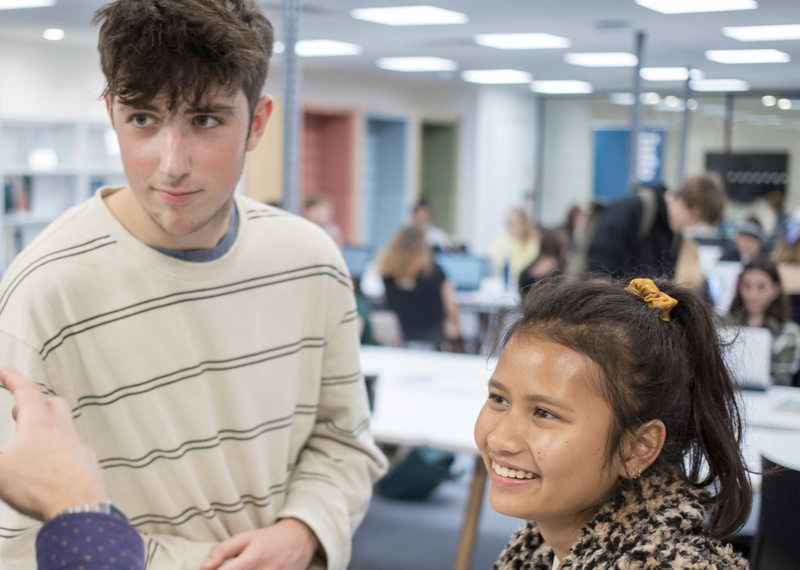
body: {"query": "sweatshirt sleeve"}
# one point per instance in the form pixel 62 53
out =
pixel 331 485
pixel 89 541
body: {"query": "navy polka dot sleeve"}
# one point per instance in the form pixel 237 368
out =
pixel 89 541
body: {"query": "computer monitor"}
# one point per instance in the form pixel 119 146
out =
pixel 749 358
pixel 356 259
pixel 464 271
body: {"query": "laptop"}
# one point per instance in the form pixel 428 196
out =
pixel 465 272
pixel 356 259
pixel 749 358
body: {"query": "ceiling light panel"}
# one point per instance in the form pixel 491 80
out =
pixel 522 41
pixel 695 6
pixel 763 33
pixel 417 64
pixel 325 48
pixel 719 85
pixel 53 34
pixel 664 73
pixel 496 76
pixel 15 4
pixel 747 56
pixel 561 87
pixel 410 16
pixel 612 59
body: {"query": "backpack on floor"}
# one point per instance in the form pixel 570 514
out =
pixel 416 475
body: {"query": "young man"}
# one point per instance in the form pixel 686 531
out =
pixel 625 242
pixel 206 343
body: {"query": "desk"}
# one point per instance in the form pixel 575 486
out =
pixel 433 399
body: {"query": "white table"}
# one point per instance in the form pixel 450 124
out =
pixel 433 399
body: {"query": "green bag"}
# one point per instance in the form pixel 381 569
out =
pixel 417 475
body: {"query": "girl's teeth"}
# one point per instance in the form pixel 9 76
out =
pixel 511 473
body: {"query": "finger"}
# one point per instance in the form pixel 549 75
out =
pixel 226 549
pixel 62 414
pixel 28 397
pixel 245 562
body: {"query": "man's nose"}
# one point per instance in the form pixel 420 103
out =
pixel 175 156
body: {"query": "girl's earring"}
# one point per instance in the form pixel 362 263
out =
pixel 638 474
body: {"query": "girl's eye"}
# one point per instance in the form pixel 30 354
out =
pixel 142 120
pixel 206 122
pixel 543 414
pixel 497 399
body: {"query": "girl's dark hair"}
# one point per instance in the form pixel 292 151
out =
pixel 780 309
pixel 182 49
pixel 554 244
pixel 653 370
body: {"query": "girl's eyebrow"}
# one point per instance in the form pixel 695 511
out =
pixel 533 398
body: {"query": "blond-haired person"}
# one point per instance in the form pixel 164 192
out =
pixel 517 248
pixel 417 289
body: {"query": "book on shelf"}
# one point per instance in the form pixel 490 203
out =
pixel 17 194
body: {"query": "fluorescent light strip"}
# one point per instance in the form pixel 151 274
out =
pixel 410 16
pixel 664 73
pixel 17 4
pixel 53 34
pixel 417 64
pixel 325 48
pixel 496 76
pixel 695 6
pixel 763 33
pixel 747 56
pixel 555 87
pixel 612 59
pixel 522 41
pixel 719 85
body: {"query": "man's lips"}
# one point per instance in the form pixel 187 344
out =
pixel 176 197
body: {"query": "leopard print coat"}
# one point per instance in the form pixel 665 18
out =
pixel 658 526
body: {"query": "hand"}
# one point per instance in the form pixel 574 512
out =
pixel 47 468
pixel 451 329
pixel 287 545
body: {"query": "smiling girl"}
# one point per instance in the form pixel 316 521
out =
pixel 610 416
pixel 760 302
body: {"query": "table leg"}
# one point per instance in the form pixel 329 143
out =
pixel 472 514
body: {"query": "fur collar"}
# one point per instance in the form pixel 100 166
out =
pixel 656 526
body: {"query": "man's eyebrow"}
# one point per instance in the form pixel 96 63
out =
pixel 211 109
pixel 142 107
pixel 533 398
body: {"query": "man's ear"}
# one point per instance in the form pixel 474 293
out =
pixel 261 116
pixel 643 449
pixel 109 102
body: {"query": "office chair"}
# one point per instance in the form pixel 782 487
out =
pixel 776 546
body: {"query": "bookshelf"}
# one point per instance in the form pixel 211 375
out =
pixel 46 167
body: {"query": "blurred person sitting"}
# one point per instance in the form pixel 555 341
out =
pixel 417 290
pixel 575 225
pixel 516 249
pixel 435 237
pixel 748 243
pixel 787 255
pixel 626 242
pixel 761 302
pixel 552 258
pixel 320 210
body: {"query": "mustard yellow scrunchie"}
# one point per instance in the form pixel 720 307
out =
pixel 647 290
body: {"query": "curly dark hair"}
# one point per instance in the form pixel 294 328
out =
pixel 182 48
pixel 652 370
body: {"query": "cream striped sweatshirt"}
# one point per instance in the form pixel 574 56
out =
pixel 219 396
